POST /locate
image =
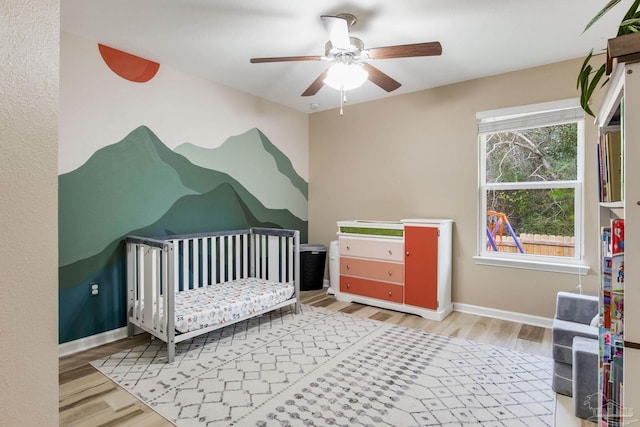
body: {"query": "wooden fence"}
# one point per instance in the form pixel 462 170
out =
pixel 539 244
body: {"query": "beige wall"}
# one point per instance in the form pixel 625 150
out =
pixel 415 155
pixel 28 212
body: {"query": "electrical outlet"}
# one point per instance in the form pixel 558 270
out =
pixel 94 289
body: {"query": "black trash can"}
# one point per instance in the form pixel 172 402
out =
pixel 312 259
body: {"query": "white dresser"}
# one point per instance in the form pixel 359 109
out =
pixel 399 265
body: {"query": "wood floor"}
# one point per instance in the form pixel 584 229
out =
pixel 88 398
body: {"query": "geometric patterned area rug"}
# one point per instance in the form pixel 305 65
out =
pixel 327 368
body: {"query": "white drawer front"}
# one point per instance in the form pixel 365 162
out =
pixel 384 249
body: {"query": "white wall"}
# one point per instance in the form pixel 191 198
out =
pixel 29 31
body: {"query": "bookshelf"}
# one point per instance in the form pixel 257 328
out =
pixel 618 153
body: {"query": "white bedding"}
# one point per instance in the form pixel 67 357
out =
pixel 220 303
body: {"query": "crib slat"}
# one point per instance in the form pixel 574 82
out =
pixel 238 249
pixel 290 247
pixel 263 259
pixel 252 255
pixel 282 259
pixel 214 260
pixel 205 261
pixel 221 251
pixel 245 255
pixel 273 257
pixel 155 286
pixel 185 264
pixel 230 240
pixel 176 263
pixel 147 288
pixel 229 257
pixel 195 277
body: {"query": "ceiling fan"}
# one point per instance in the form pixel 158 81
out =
pixel 350 57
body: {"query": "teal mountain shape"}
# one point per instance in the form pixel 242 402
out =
pixel 129 185
pixel 222 208
pixel 258 165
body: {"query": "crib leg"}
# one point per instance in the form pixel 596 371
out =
pixel 130 329
pixel 296 308
pixel 171 352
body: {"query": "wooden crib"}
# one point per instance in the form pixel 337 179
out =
pixel 182 286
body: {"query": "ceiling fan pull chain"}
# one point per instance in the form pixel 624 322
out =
pixel 341 99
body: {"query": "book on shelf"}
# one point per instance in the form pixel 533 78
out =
pixel 616 313
pixel 601 196
pixel 605 257
pixel 614 156
pixel 617 255
pixel 617 236
pixel 606 309
pixel 610 161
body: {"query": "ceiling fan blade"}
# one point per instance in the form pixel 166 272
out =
pixel 381 79
pixel 316 85
pixel 338 30
pixel 285 59
pixel 406 50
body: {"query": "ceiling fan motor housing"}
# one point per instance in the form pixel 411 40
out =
pixel 355 51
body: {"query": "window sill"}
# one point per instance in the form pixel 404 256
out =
pixel 555 267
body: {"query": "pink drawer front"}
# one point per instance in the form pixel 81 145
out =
pixel 378 270
pixel 383 249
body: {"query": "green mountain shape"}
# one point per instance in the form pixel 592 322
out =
pixel 223 208
pixel 126 186
pixel 122 186
pixel 258 165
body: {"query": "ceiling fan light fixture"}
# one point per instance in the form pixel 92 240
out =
pixel 346 76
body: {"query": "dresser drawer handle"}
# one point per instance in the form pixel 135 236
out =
pixel 390 273
pixel 348 268
pixel 390 253
pixel 389 293
pixel 407 253
pixel 348 285
pixel 347 247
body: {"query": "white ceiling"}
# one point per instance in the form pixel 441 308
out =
pixel 214 39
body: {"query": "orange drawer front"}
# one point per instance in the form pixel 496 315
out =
pixel 378 270
pixel 371 288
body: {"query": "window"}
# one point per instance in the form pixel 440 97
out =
pixel 531 187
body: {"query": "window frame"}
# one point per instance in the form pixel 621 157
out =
pixel 527 117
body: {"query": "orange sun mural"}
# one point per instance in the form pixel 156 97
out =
pixel 127 66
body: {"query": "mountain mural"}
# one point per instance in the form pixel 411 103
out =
pixel 140 186
pixel 269 176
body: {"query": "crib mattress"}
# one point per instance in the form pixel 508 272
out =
pixel 211 305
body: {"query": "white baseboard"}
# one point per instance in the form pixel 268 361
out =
pixel 528 319
pixel 81 344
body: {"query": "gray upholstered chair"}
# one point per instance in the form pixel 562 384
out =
pixel 573 335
